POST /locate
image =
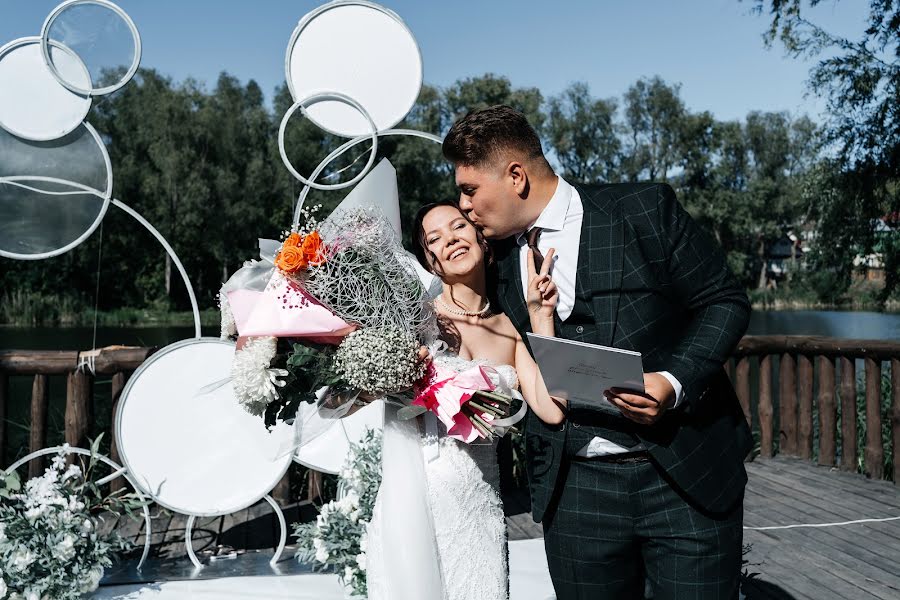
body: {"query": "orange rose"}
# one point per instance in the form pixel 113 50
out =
pixel 293 240
pixel 291 259
pixel 313 249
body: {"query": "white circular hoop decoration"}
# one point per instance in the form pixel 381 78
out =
pixel 60 75
pixel 33 104
pixel 363 50
pixel 327 452
pixel 196 453
pixel 53 195
pixel 343 148
pixel 303 106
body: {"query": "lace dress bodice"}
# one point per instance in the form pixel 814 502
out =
pixel 463 483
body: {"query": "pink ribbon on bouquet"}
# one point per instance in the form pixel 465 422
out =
pixel 447 391
pixel 285 309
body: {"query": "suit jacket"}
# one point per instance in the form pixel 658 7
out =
pixel 653 282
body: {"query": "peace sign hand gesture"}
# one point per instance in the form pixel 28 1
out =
pixel 542 292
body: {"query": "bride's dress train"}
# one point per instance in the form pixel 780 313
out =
pixel 469 541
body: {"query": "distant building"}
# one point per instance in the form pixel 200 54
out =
pixel 870 267
pixel 783 256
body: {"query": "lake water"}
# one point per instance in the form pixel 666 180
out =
pixel 856 325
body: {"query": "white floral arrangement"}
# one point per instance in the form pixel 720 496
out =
pixel 379 360
pixel 50 546
pixel 337 540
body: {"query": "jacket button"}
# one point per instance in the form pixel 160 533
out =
pixel 579 329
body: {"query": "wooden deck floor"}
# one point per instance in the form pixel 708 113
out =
pixel 853 562
pixel 858 562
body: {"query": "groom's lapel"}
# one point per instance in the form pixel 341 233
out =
pixel 518 309
pixel 510 284
pixel 601 255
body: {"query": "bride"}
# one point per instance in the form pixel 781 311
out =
pixel 438 529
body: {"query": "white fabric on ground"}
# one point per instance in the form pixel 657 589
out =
pixel 530 580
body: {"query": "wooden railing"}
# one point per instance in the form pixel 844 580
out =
pixel 119 362
pixel 116 361
pixel 807 387
pixel 806 379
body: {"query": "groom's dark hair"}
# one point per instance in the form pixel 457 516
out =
pixel 491 134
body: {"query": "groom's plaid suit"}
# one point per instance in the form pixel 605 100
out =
pixel 648 279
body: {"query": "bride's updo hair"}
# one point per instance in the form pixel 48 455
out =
pixel 426 257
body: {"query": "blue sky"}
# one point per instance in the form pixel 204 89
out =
pixel 712 47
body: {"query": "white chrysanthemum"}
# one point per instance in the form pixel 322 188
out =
pixel 349 572
pixel 321 550
pixel 361 560
pixel 3 588
pixel 254 381
pixel 65 549
pixel 21 559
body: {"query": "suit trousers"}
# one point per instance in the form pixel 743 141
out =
pixel 617 525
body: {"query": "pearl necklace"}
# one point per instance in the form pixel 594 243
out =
pixel 465 313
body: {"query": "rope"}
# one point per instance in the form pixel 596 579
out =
pixel 97 289
pixel 815 525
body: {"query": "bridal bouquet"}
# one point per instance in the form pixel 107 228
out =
pixel 50 546
pixel 470 403
pixel 340 307
pixel 337 539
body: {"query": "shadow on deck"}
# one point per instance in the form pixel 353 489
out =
pixel 854 561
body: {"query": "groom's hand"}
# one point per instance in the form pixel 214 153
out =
pixel 646 408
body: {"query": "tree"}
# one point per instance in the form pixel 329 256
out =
pixel 653 116
pixel 860 80
pixel 582 132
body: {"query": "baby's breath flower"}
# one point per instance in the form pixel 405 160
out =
pixel 379 361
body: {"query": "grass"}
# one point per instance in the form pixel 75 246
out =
pixel 862 296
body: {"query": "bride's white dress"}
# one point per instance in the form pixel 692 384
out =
pixel 463 497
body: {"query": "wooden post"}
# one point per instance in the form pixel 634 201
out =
pixel 742 386
pixel 40 403
pixel 827 412
pixel 787 404
pixel 765 406
pixel 314 481
pixel 895 415
pixel 282 492
pixel 4 395
pixel 874 454
pixel 805 412
pixel 78 408
pixel 118 384
pixel 848 414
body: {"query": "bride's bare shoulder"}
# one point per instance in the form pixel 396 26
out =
pixel 505 326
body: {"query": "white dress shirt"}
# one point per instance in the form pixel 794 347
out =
pixel 560 224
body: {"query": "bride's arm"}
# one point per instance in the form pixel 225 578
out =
pixel 542 297
pixel 549 409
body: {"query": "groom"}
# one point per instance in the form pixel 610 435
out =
pixel 656 492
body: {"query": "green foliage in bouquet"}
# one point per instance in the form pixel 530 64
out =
pixel 309 368
pixel 337 540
